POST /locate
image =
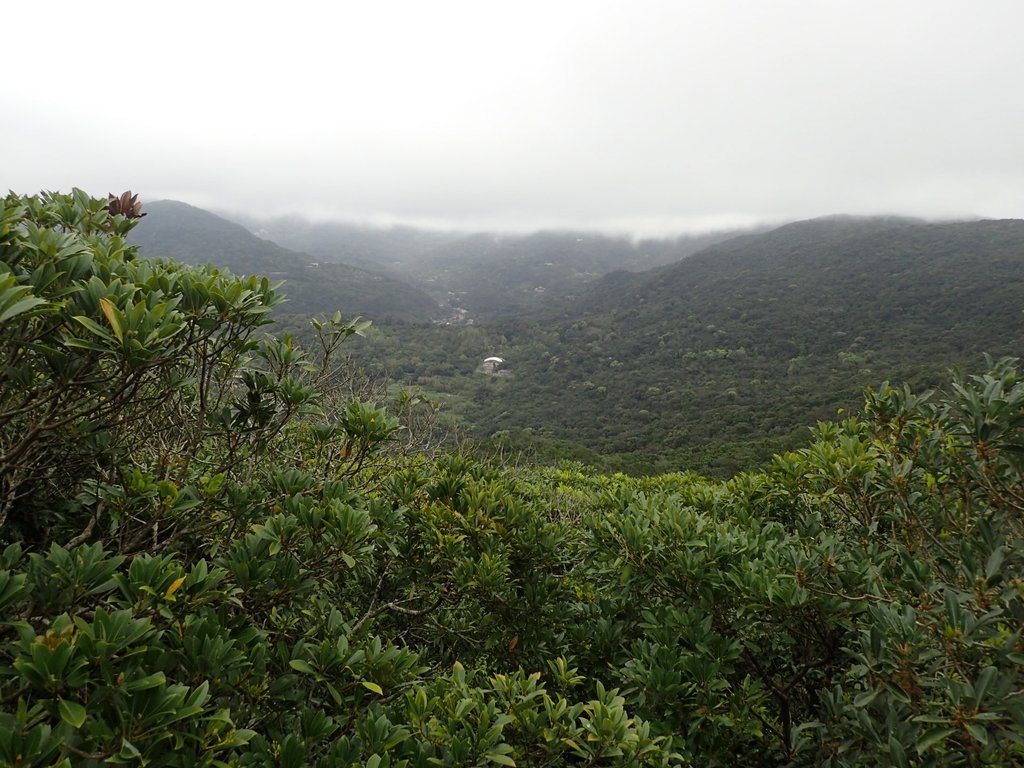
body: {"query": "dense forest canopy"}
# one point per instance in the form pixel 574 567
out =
pixel 724 358
pixel 721 357
pixel 218 550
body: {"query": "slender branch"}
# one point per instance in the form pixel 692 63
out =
pixel 87 531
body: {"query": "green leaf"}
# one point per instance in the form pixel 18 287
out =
pixel 899 756
pixel 72 713
pixel 301 666
pixel 147 682
pixel 20 307
pixel 979 733
pixel 494 757
pixel 373 687
pixel 94 327
pixel 335 694
pixel 83 344
pixel 983 683
pixel 863 699
pixel 931 738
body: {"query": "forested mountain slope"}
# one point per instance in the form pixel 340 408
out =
pixel 494 276
pixel 490 275
pixel 194 236
pixel 717 360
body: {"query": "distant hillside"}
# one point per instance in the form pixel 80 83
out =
pixel 493 276
pixel 721 359
pixel 489 275
pixel 194 236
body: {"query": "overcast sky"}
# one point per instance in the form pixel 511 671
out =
pixel 640 116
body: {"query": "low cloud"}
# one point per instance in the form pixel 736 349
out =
pixel 649 117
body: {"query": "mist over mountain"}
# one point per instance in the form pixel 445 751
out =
pixel 489 275
pixel 194 236
pixel 387 249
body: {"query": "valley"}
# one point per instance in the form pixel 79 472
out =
pixel 709 353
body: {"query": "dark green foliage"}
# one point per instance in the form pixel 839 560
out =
pixel 690 365
pixel 238 566
pixel 103 352
pixel 719 361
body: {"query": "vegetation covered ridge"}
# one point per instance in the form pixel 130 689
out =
pixel 191 235
pixel 723 359
pixel 214 555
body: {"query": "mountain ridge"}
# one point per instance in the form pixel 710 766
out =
pixel 488 274
pixel 848 301
pixel 183 232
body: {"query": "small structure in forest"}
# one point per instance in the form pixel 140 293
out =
pixel 491 365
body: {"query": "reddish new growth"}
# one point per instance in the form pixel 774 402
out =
pixel 127 205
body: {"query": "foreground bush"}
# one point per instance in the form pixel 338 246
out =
pixel 211 562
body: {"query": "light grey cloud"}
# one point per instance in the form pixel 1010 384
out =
pixel 645 116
